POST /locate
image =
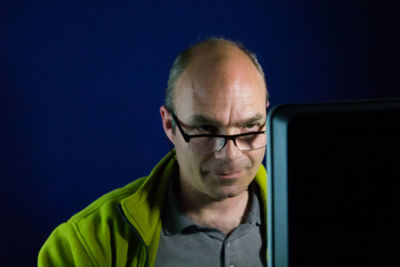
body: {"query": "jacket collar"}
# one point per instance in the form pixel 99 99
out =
pixel 143 208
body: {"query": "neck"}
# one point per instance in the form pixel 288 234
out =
pixel 223 214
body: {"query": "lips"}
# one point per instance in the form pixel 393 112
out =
pixel 228 174
pixel 227 170
pixel 224 172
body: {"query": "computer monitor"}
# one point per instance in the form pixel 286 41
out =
pixel 334 184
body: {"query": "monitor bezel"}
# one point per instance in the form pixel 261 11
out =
pixel 278 122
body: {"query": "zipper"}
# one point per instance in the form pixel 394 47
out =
pixel 121 211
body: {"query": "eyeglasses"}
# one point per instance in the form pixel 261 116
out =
pixel 208 143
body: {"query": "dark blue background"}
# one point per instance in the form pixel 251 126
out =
pixel 81 84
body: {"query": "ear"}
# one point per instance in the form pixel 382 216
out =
pixel 166 118
pixel 267 104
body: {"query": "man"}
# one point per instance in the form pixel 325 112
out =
pixel 204 203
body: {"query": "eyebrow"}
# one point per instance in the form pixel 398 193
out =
pixel 201 119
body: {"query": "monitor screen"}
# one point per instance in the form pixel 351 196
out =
pixel 333 184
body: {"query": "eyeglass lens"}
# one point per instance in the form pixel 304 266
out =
pixel 213 144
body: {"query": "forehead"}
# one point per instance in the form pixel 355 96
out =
pixel 227 89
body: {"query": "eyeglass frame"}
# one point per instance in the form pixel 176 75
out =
pixel 232 137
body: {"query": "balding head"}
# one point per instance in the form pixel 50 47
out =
pixel 216 89
pixel 205 56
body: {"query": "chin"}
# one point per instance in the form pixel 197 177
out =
pixel 231 192
pixel 223 188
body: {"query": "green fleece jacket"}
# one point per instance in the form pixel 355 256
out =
pixel 122 228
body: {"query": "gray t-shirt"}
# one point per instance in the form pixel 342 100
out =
pixel 184 243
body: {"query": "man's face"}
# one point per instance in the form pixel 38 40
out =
pixel 228 97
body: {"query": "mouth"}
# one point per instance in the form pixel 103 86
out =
pixel 228 174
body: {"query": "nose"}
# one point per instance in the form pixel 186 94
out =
pixel 229 152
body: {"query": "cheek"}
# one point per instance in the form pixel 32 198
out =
pixel 256 158
pixel 260 154
pixel 189 163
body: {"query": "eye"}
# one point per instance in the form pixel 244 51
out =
pixel 252 127
pixel 205 129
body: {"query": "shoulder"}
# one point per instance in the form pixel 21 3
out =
pixel 99 235
pixel 85 238
pixel 107 204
